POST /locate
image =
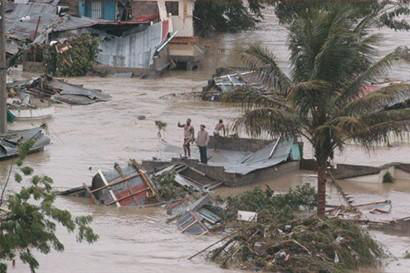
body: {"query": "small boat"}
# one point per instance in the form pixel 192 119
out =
pixel 9 142
pixel 31 113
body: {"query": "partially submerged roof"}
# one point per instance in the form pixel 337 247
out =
pixel 9 143
pixel 58 90
pixel 241 162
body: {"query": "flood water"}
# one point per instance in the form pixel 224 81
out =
pixel 86 138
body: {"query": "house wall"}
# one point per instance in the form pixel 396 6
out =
pixel 238 144
pixel 401 175
pixel 374 178
pixel 183 23
pixel 145 9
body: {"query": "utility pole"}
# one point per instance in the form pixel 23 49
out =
pixel 3 72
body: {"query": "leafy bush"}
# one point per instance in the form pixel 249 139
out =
pixel 270 205
pixel 29 219
pixel 168 188
pixel 74 57
pixel 388 178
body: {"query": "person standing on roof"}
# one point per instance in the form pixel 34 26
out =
pixel 189 137
pixel 202 141
pixel 217 132
pixel 220 127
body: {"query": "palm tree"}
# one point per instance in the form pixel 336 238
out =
pixel 333 56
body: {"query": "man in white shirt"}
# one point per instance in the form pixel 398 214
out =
pixel 202 141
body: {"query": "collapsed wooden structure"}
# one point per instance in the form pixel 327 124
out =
pixel 127 186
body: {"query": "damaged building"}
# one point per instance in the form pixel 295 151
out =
pixel 133 35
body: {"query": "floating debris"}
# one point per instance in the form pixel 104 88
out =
pixel 197 217
pixel 10 142
pixel 46 87
pixel 190 178
pixel 228 80
pixel 286 239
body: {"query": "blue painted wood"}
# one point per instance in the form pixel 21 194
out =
pixel 109 9
pixel 81 8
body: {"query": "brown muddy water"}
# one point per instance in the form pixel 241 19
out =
pixel 86 138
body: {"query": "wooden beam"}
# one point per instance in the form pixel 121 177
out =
pixel 117 181
pixel 144 178
pixel 129 196
pixel 114 198
pixel 95 201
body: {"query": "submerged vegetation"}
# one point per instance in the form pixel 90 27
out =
pixel 168 189
pixel 286 239
pixel 388 178
pixel 272 206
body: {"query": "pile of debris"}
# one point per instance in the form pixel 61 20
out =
pixel 228 80
pixel 196 217
pixel 46 87
pixel 279 236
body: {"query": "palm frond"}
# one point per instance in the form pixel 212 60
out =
pixel 272 121
pixel 380 126
pixel 336 45
pixel 368 21
pixel 264 63
pixel 307 95
pixel 353 90
pixel 378 100
pixel 250 98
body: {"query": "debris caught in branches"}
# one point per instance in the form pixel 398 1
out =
pixel 281 242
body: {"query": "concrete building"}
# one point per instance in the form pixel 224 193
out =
pixel 183 47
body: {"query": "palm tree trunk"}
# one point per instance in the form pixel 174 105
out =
pixel 321 188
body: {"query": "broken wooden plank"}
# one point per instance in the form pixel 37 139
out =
pixel 114 198
pixel 118 169
pixel 116 182
pixel 95 201
pixel 373 203
pixel 128 196
pixel 146 180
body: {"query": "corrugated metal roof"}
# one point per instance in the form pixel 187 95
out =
pixel 244 163
pixel 22 20
pixel 133 50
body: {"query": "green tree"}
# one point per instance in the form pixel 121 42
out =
pixel 233 15
pixel 28 219
pixel 385 13
pixel 333 56
pixel 225 15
